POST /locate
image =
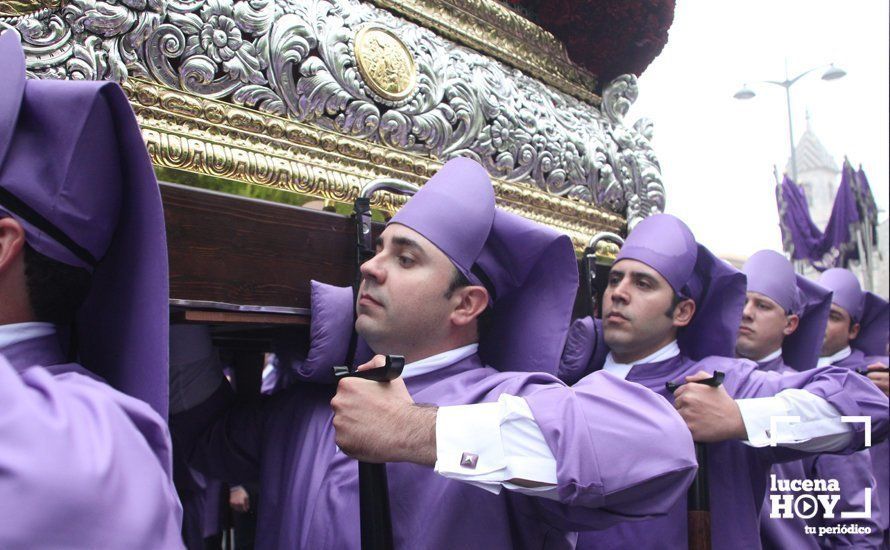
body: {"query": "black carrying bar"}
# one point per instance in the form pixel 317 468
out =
pixel 698 504
pixel 375 517
pixel 591 271
pixel 376 521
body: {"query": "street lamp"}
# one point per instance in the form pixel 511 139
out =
pixel 744 93
pixel 831 73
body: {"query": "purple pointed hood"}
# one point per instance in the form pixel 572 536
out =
pixel 529 270
pixel 771 274
pixel 75 173
pixel 667 245
pixel 868 309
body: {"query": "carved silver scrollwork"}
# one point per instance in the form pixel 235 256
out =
pixel 295 59
pixel 634 185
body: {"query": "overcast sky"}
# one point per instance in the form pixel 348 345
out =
pixel 717 152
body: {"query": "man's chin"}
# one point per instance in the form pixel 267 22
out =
pixel 744 353
pixel 616 339
pixel 743 346
pixel 367 328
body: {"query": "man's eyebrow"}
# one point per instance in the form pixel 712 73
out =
pixel 405 242
pixel 637 276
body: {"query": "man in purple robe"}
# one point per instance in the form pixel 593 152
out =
pixel 612 453
pixel 856 339
pixel 671 313
pixel 782 328
pixel 858 328
pixel 201 496
pixel 84 449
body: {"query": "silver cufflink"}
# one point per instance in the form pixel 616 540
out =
pixel 469 460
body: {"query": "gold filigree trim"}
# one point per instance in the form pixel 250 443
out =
pixel 497 31
pixel 20 8
pixel 210 137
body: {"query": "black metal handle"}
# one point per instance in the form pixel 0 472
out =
pixel 714 381
pixel 364 242
pixel 866 372
pixel 391 370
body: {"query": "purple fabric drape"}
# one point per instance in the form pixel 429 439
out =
pixel 836 246
pixel 868 208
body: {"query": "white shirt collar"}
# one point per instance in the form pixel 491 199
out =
pixel 19 332
pixel 620 370
pixel 832 359
pixel 770 357
pixel 438 361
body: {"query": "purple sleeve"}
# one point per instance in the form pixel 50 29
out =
pixel 82 462
pixel 850 393
pixel 622 451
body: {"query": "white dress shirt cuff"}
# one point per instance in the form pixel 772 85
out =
pixel 492 445
pixel 757 415
pixel 818 427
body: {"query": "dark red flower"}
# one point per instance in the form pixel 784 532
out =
pixel 607 37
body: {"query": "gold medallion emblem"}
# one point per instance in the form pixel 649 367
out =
pixel 385 63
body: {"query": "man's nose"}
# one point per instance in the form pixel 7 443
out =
pixel 373 269
pixel 620 292
pixel 748 311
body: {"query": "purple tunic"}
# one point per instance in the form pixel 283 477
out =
pixel 853 473
pixel 737 473
pixel 309 490
pixel 82 465
pixel 880 452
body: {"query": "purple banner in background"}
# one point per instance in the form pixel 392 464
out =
pixel 837 245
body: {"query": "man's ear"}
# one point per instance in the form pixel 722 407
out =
pixel 791 323
pixel 12 242
pixel 684 312
pixel 854 330
pixel 471 302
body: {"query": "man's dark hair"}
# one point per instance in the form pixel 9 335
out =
pixel 675 301
pixel 55 290
pixel 458 281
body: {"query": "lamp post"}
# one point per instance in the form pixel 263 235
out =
pixel 831 73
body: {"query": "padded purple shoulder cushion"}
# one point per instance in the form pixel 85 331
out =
pixel 584 351
pixel 330 328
